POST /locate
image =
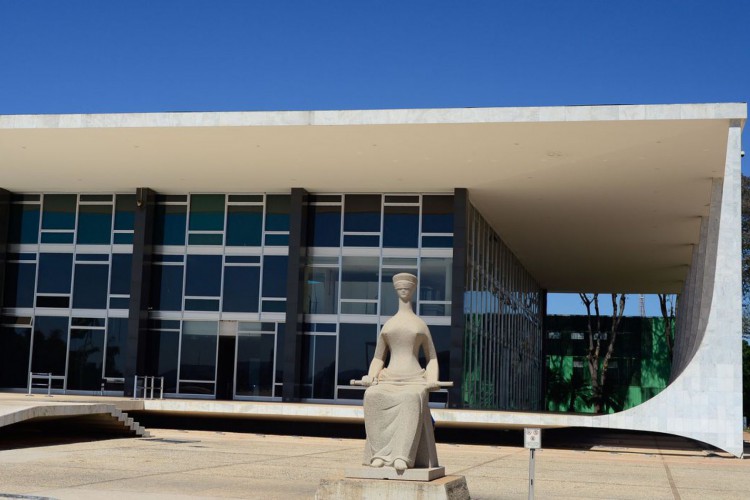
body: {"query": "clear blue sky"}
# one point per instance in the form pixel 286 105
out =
pixel 184 55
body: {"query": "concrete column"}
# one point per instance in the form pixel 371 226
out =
pixel 458 319
pixel 140 286
pixel 4 226
pixel 295 289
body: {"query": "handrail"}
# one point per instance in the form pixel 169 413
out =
pixel 149 382
pixel 47 378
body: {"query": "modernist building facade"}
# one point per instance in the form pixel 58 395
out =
pixel 249 256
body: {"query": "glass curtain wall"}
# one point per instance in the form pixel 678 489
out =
pixel 503 333
pixel 356 244
pixel 67 289
pixel 218 276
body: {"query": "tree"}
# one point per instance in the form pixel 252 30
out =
pixel 597 365
pixel 746 379
pixel 746 257
pixel 667 312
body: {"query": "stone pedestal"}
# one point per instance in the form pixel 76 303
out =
pixel 444 488
pixel 419 474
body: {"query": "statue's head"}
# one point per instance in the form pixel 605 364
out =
pixel 405 284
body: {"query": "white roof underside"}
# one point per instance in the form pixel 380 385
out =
pixel 590 198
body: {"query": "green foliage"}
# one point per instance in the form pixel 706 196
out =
pixel 746 379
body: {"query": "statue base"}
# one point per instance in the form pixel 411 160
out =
pixel 419 474
pixel 444 488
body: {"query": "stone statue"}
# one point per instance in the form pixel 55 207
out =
pixel 397 419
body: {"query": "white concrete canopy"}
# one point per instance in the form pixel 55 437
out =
pixel 590 198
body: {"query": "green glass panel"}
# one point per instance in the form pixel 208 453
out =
pixel 59 211
pixel 24 224
pixel 277 212
pixel 207 212
pixel 125 212
pixel 205 239
pixel 94 224
pixel 244 225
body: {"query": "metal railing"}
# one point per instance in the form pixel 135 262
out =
pixel 147 383
pixel 45 382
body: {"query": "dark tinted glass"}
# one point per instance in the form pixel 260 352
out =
pixel 19 285
pixel 24 224
pixel 15 346
pixel 437 214
pixel 205 239
pixel 50 345
pixel 43 301
pixel 244 225
pixel 277 212
pixel 437 241
pixel 324 226
pixel 55 271
pixel 169 224
pixel 207 212
pixel 274 275
pixel 255 365
pixel 203 275
pixel 325 367
pixel 94 225
pixel 121 268
pixel 59 211
pixel 57 237
pixel 162 357
pixel 280 329
pixel 201 304
pixel 435 278
pixel 117 332
pixel 278 240
pixel 362 213
pixel 90 286
pixel 166 288
pixel 400 227
pixel 273 306
pixel 358 240
pixel 85 359
pixel 360 278
pixel 241 289
pixel 198 351
pixel 321 290
pixel 124 211
pixel 356 348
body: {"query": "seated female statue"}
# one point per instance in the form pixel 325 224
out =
pixel 397 419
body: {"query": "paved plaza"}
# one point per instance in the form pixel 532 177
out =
pixel 207 464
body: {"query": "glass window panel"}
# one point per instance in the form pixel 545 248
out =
pixel 274 275
pixel 197 387
pixel 166 288
pixel 277 240
pixel 24 224
pixel 162 357
pixel 92 257
pixel 360 278
pixel 203 275
pixel 437 241
pixel 400 227
pixel 50 345
pixel 61 302
pixel 277 212
pixel 117 338
pixel 171 198
pixel 19 285
pixel 281 329
pixel 15 347
pixel 119 303
pixel 94 225
pixel 90 286
pixel 198 350
pixel 358 240
pixel 123 239
pixel 201 305
pixel 244 225
pixel 401 198
pixel 356 349
pixel 437 214
pixel 59 211
pixel 96 197
pixel 57 237
pixel 55 272
pixel 169 224
pixel 359 307
pixel 241 289
pixel 435 278
pixel 205 239
pixel 207 212
pixel 85 357
pixel 273 306
pixel 255 364
pixel 325 367
pixel 125 212
pixel 121 268
pixel 362 213
pixel 242 259
pixel 308 365
pixel 434 309
pixel 324 226
pixel 246 198
pixel 321 290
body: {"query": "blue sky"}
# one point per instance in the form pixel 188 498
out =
pixel 184 55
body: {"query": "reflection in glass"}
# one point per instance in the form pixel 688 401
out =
pixel 318 366
pixel 117 335
pixel 198 353
pixel 85 359
pixel 24 224
pixel 120 279
pixel 274 275
pixel 166 288
pixel 362 213
pixel 55 272
pixel 360 278
pixel 321 290
pixel 90 286
pixel 19 284
pixel 50 345
pixel 94 225
pixel 203 276
pixel 169 224
pixel 277 212
pixel 244 225
pixel 241 289
pixel 255 364
pixel 400 226
pixel 15 346
pixel 356 349
pixel 437 214
pixel 324 226
pixel 124 212
pixel 162 357
pixel 435 278
pixel 59 211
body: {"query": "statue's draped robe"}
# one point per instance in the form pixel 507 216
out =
pixel 397 417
